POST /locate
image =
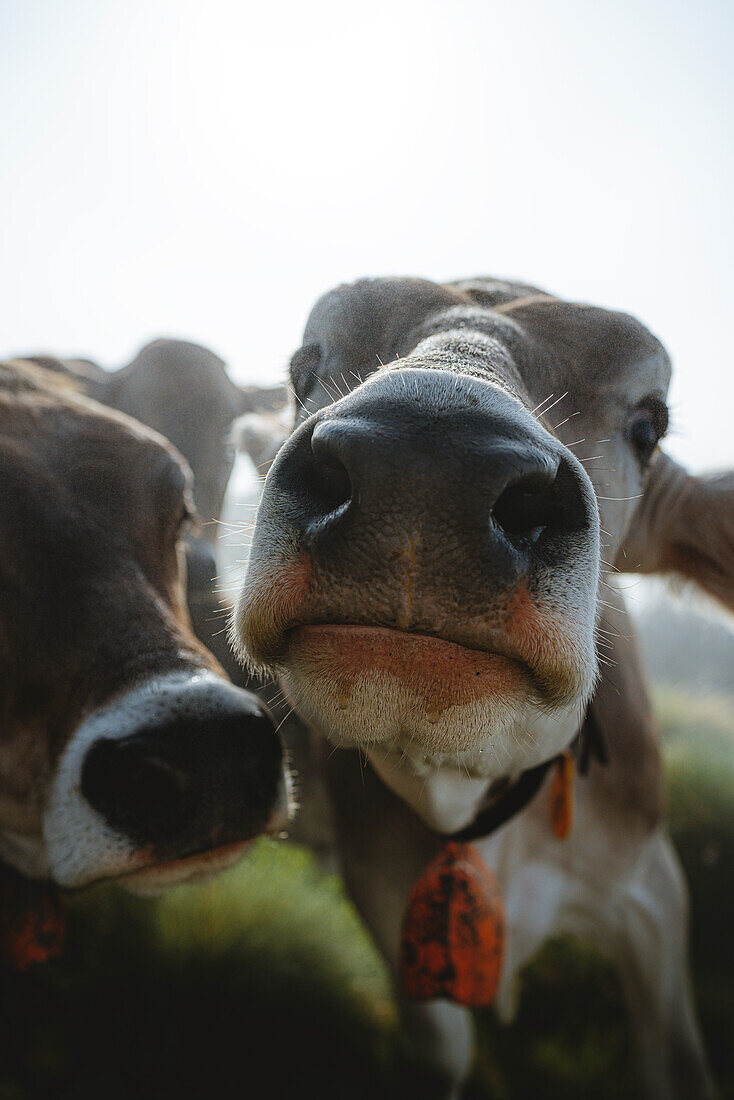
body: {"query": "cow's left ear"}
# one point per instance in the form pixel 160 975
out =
pixel 684 527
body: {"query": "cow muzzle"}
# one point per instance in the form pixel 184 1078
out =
pixel 425 565
pixel 168 782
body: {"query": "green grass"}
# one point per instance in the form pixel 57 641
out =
pixel 265 969
pixel 267 974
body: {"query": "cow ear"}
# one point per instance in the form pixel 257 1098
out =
pixel 684 527
pixel 263 399
pixel 260 436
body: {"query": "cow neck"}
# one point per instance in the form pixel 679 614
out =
pixel 590 743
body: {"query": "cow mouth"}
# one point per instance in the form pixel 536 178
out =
pixel 156 877
pixel 424 699
pixel 443 672
pixel 283 626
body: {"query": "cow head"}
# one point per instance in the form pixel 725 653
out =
pixel 123 749
pixel 431 544
pixel 183 391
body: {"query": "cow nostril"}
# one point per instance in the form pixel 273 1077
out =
pixel 120 779
pixel 535 505
pixel 523 508
pixel 328 478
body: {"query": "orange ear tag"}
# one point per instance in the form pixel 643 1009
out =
pixel 453 933
pixel 561 796
pixel 32 925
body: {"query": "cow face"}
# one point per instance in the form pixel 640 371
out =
pixel 123 750
pixel 425 570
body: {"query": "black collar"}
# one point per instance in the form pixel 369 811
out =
pixel 589 742
pixel 507 804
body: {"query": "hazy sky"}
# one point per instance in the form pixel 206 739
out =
pixel 206 170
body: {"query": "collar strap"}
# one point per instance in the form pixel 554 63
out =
pixel 590 743
pixel 507 804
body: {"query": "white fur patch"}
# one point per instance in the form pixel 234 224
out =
pixel 444 797
pixel 492 737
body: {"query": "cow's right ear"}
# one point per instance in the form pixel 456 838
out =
pixel 263 399
pixel 260 436
pixel 684 527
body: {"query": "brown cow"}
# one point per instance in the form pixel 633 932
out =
pixel 124 752
pixel 183 391
pixel 430 578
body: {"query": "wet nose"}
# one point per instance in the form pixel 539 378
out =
pixel 468 466
pixel 521 491
pixel 201 767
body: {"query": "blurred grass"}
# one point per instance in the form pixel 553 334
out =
pixel 698 734
pixel 266 974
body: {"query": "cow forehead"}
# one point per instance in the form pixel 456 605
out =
pixel 68 439
pixel 592 349
pixel 550 343
pixel 88 504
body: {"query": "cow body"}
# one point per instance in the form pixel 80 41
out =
pixel 430 579
pixel 124 751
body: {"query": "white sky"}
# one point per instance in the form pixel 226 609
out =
pixel 206 170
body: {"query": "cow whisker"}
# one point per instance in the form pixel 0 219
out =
pixel 556 402
pixel 292 391
pixel 569 417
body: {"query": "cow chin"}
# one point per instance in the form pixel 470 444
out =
pixel 427 698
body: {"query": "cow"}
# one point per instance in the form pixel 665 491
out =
pixel 431 580
pixel 125 752
pixel 183 391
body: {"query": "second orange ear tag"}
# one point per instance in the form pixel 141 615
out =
pixel 32 927
pixel 453 933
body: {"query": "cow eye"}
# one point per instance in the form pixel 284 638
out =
pixel 647 426
pixel 186 517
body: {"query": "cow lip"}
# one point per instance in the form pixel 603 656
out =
pixel 207 860
pixel 420 636
pixel 451 661
pixel 551 671
pixel 203 859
